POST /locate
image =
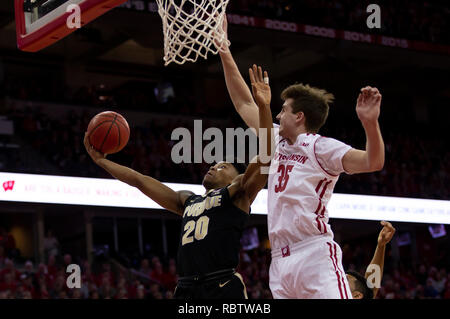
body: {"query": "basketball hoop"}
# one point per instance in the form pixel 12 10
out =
pixel 192 28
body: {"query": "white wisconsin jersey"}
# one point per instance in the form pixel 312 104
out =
pixel 300 185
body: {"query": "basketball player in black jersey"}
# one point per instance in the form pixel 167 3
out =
pixel 212 223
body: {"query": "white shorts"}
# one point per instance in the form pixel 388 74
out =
pixel 309 269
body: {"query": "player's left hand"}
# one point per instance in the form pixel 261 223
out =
pixel 386 233
pixel 260 86
pixel 368 105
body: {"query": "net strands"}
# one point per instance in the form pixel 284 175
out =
pixel 189 28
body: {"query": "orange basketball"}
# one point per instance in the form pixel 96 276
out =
pixel 108 132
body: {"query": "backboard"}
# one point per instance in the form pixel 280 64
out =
pixel 40 23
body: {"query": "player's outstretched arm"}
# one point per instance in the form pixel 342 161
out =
pixel 237 88
pixel 385 236
pixel 372 158
pixel 255 177
pixel 160 193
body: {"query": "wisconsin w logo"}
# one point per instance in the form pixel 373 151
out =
pixel 8 186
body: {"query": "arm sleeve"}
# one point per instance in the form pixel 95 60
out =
pixel 329 153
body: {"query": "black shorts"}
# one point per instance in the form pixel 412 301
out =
pixel 231 287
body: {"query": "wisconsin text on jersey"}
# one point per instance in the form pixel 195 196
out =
pixel 293 157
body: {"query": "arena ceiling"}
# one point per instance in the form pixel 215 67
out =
pixel 131 42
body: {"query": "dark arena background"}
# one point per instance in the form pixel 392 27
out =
pixel 115 63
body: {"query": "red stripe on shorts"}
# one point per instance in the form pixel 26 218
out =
pixel 318 207
pixel 343 280
pixel 318 224
pixel 337 273
pixel 325 227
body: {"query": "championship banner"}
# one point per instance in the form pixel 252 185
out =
pixel 151 6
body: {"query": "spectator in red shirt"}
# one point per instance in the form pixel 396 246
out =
pixel 157 272
pixel 27 283
pixel 10 268
pixel 106 290
pixel 169 278
pixel 43 292
pixel 67 260
pixel 8 283
pixel 446 294
pixel 51 267
pixel 145 267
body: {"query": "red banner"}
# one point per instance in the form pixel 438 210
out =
pixel 336 34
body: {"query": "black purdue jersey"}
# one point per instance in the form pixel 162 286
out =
pixel 211 231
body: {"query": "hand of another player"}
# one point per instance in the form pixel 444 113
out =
pixel 93 153
pixel 222 43
pixel 386 233
pixel 368 105
pixel 260 86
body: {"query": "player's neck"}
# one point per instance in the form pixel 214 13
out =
pixel 292 138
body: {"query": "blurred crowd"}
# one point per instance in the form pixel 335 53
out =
pixel 155 277
pixel 414 20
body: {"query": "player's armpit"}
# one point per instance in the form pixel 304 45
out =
pixel 183 196
pixel 254 179
pixel 357 161
pixel 237 195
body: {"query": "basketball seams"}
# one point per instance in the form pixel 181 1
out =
pixel 118 119
pixel 118 131
pixel 106 135
pixel 102 133
pixel 91 132
pixel 123 124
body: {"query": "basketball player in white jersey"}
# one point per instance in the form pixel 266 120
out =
pixel 306 261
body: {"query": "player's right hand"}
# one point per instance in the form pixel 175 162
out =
pixel 386 233
pixel 93 153
pixel 222 44
pixel 260 86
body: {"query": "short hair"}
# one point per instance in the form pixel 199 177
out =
pixel 312 101
pixel 361 285
pixel 238 164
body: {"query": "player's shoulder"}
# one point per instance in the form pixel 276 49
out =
pixel 307 139
pixel 327 141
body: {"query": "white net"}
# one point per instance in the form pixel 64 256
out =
pixel 192 28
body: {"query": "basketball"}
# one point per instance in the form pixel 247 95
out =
pixel 108 132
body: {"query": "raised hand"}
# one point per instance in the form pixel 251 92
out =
pixel 221 41
pixel 368 105
pixel 260 86
pixel 386 233
pixel 93 153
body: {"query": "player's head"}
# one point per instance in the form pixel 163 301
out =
pixel 305 109
pixel 222 174
pixel 358 286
